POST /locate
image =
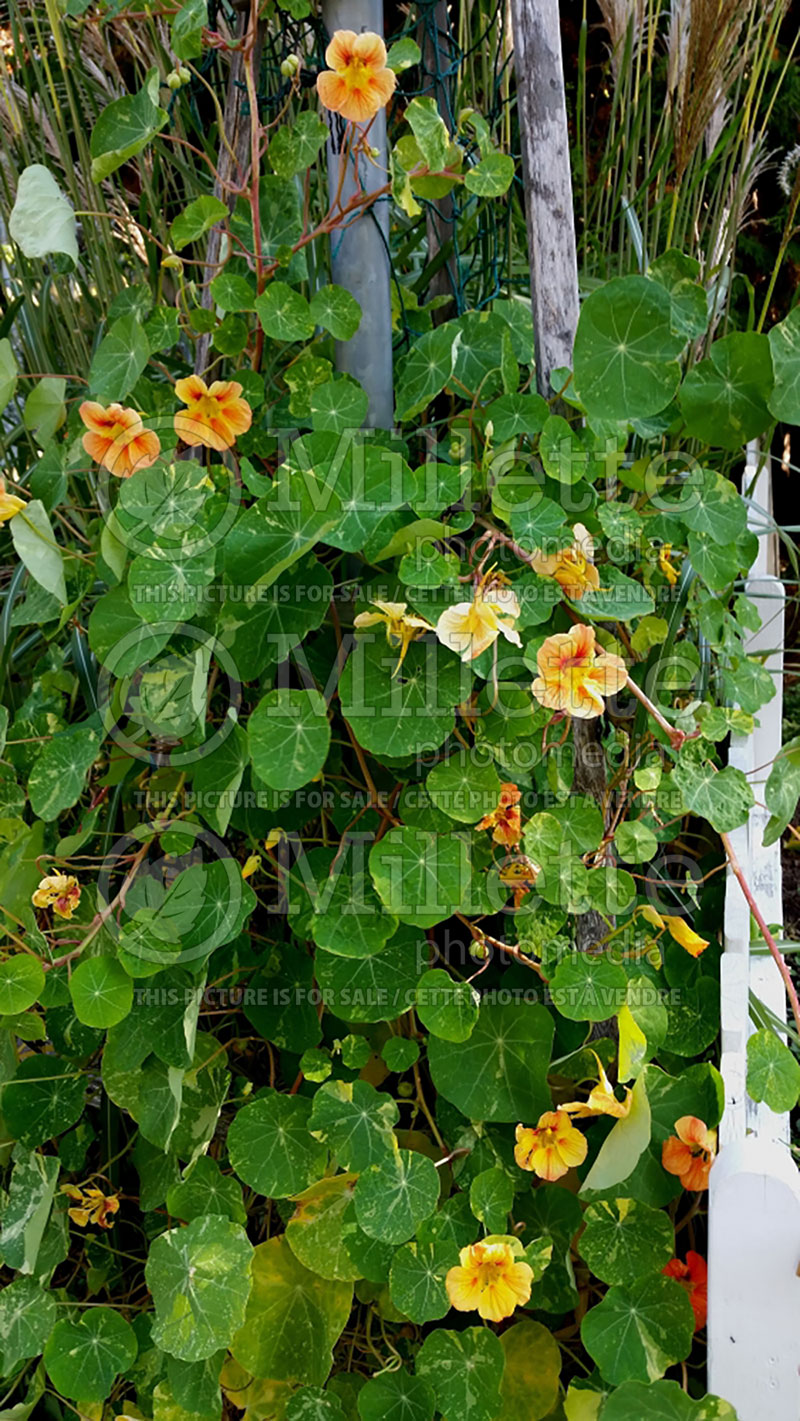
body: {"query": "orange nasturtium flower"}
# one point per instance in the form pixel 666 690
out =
pixel 9 503
pixel 491 1278
pixel 693 1276
pixel 117 439
pixel 602 1100
pixel 402 627
pixel 92 1206
pixel 468 628
pixel 505 821
pixel 357 82
pixel 216 414
pixel 574 676
pixel 689 1153
pixel 688 939
pixel 573 567
pixel 552 1147
pixel 59 891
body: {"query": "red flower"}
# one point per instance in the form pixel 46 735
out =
pixel 693 1276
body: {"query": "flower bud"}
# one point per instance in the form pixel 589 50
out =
pixel 172 263
pixel 174 80
pixel 185 75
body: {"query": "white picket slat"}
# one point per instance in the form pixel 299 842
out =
pixel 754 1187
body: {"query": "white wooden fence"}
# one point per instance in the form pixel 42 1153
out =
pixel 754 1190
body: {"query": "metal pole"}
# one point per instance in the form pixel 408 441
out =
pixel 360 250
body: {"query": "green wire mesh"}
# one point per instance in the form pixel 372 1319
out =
pixel 465 61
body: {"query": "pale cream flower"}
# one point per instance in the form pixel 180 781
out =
pixel 468 628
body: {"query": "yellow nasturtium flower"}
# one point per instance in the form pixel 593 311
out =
pixel 59 891
pixel 602 1100
pixel 357 82
pixel 92 1206
pixel 402 626
pixel 550 1148
pixel 10 505
pixel 491 1278
pixel 573 567
pixel 678 928
pixel 665 564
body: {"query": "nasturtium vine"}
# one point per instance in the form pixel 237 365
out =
pixel 358 996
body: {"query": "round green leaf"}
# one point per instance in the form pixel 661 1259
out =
pixel 44 1099
pixel 270 1147
pixel 636 1332
pixel 635 842
pixel 500 1073
pixel 491 1195
pixel 400 1053
pixel 724 398
pixel 723 797
pixel 417 1280
pixel 626 352
pixel 465 1370
pixel 338 405
pixel 119 360
pixel 206 1190
pixel 663 1401
pixel 352 922
pixel 293 1318
pixel 406 714
pixel 447 1009
pixel 336 310
pixel 284 313
pixel 624 1239
pixel 773 1073
pixel 586 987
pixel 492 176
pixel 83 1358
pixel 28 1315
pixel 42 220
pixel 232 292
pixel 422 878
pixel 355 1122
pixel 21 982
pixel 377 988
pixel 784 344
pixel 396 1396
pixel 465 787
pixel 533 1364
pixel 199 1277
pixel 289 737
pixel 101 991
pixel 322 1226
pixel 395 1195
pixel 314 1404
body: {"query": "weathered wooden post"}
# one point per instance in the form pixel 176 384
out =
pixel 360 246
pixel 544 138
pixel 548 183
pixel 754 1187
